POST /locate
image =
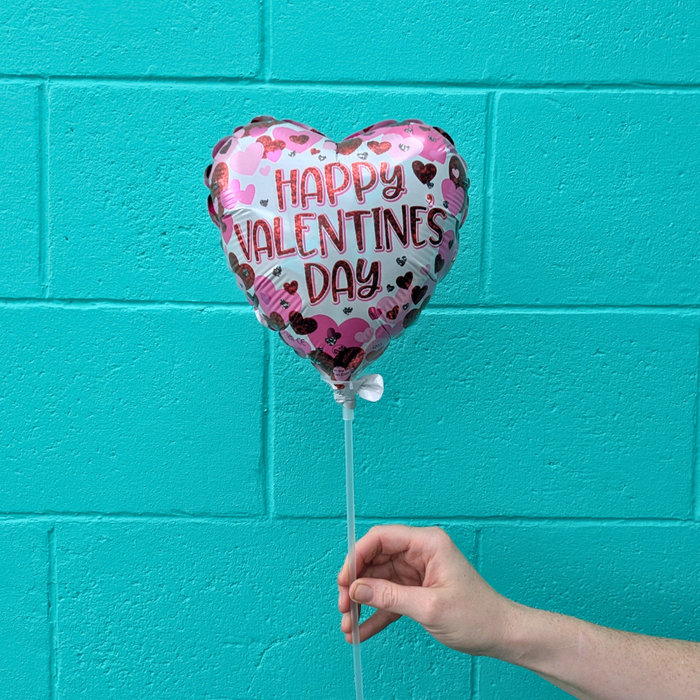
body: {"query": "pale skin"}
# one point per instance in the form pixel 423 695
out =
pixel 420 573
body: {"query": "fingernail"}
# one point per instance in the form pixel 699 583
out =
pixel 363 594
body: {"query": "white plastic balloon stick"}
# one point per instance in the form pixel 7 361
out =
pixel 348 416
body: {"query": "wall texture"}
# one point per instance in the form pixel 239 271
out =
pixel 171 478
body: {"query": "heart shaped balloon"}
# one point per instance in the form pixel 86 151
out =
pixel 338 246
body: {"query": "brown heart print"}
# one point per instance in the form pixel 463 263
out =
pixel 349 358
pixel 425 172
pixel 301 325
pixel 379 148
pixel 219 179
pixel 276 322
pixel 345 148
pixel 392 313
pixel 404 281
pixel 417 293
pixel 270 145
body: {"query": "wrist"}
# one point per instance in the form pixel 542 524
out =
pixel 518 627
pixel 540 640
pixel 505 633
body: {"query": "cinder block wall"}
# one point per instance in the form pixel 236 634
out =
pixel 171 477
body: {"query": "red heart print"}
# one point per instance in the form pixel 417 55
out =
pixel 245 272
pixel 393 313
pixel 299 138
pixel 379 148
pixel 301 325
pixel 314 151
pixel 322 359
pixel 291 287
pixel 457 174
pixel 270 145
pixel 333 336
pixel 417 293
pixel 404 282
pixel 349 358
pixel 411 317
pixel 425 172
pixel 219 179
pixel 345 148
pixel 276 322
pixel 374 313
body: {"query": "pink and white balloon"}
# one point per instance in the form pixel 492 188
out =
pixel 338 246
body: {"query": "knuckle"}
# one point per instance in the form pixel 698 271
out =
pixel 388 597
pixel 439 535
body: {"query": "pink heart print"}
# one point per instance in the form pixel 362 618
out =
pixel 234 194
pixel 454 196
pixel 338 245
pixel 246 162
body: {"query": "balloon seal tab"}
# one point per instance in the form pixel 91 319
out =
pixel 369 387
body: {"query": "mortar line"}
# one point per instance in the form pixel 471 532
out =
pixel 694 460
pixel 524 521
pixel 506 306
pixel 434 308
pixel 416 86
pixel 135 80
pixel 262 61
pixel 266 48
pixel 476 86
pixel 485 309
pixel 8 78
pixel 489 165
pixel 53 615
pixel 129 517
pixel 477 548
pixel 504 520
pixel 43 188
pixel 121 303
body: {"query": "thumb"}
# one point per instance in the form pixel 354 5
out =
pixel 386 595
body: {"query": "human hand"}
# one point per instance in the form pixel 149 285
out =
pixel 420 573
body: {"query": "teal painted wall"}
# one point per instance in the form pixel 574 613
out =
pixel 171 478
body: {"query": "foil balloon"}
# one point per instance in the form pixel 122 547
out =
pixel 338 246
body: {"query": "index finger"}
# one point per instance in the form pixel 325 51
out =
pixel 383 539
